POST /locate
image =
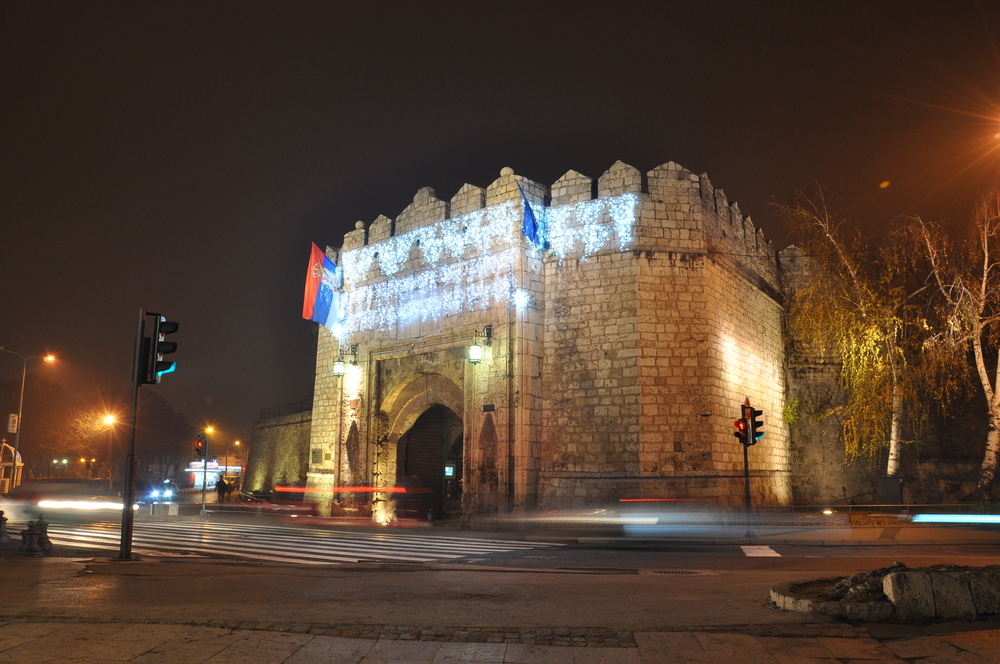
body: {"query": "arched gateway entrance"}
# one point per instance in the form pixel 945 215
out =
pixel 429 466
pixel 424 449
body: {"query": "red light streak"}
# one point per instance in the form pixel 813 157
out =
pixel 353 489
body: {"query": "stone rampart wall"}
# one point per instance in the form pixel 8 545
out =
pixel 279 451
pixel 618 356
pixel 590 421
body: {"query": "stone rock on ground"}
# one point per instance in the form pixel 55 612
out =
pixel 952 596
pixel 862 587
pixel 985 587
pixel 912 595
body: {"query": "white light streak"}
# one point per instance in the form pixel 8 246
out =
pixel 80 505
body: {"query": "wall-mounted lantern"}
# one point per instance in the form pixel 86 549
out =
pixel 484 338
pixel 475 353
pixel 339 366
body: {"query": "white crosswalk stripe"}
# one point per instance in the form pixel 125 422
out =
pixel 310 546
pixel 760 552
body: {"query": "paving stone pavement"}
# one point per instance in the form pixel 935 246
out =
pixel 77 641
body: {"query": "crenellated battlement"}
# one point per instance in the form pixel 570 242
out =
pixel 677 211
pixel 603 360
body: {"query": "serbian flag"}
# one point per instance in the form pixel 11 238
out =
pixel 529 226
pixel 322 300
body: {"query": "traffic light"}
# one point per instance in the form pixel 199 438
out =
pixel 741 431
pixel 756 426
pixel 162 347
pixel 199 448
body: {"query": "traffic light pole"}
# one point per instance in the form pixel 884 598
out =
pixel 750 439
pixel 204 478
pixel 746 478
pixel 128 489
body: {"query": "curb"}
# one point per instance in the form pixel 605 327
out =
pixel 863 611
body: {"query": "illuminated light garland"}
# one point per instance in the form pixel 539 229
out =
pixel 581 227
pixel 522 299
pixel 450 289
pixel 479 230
pixel 474 283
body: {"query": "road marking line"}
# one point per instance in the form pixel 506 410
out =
pixel 293 545
pixel 760 552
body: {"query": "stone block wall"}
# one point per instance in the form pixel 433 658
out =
pixel 821 471
pixel 618 358
pixel 279 451
pixel 590 429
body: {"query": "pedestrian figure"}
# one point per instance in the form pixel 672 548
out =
pixel 4 536
pixel 229 491
pixel 220 488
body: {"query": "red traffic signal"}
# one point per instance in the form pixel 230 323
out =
pixel 741 431
pixel 199 448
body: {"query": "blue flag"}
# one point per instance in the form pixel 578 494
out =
pixel 529 227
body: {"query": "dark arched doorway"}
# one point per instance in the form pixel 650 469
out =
pixel 429 466
pixel 351 473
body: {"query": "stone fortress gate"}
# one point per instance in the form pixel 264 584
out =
pixel 613 358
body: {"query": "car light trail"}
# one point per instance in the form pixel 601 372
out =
pixel 956 518
pixel 80 505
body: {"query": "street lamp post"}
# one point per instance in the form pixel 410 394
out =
pixel 20 408
pixel 204 475
pixel 227 455
pixel 109 420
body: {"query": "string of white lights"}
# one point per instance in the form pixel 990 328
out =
pixel 582 228
pixel 449 286
pixel 454 288
pixel 479 231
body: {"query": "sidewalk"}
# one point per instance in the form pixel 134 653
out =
pixel 219 642
pixel 90 611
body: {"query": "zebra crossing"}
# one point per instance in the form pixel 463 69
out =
pixel 303 546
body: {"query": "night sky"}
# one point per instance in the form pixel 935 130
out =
pixel 182 156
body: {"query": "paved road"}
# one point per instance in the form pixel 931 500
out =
pixel 601 601
pixel 297 545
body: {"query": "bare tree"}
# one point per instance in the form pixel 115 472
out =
pixel 967 278
pixel 861 302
